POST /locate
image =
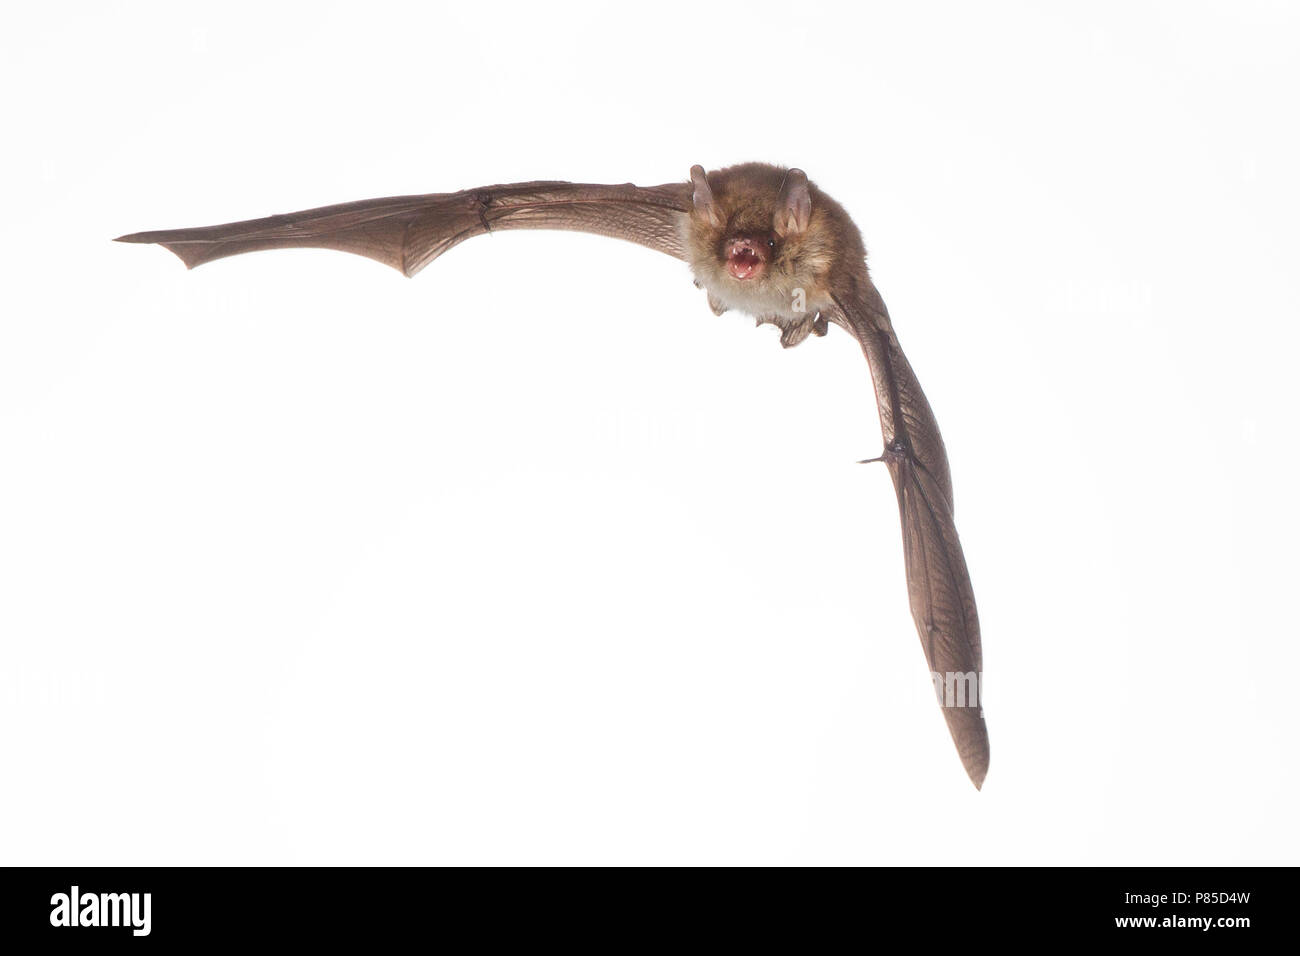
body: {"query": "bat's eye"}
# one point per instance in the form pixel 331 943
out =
pixel 771 243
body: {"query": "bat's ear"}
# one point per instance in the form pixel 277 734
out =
pixel 705 204
pixel 794 207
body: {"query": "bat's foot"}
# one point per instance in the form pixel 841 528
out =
pixel 794 332
pixel 716 305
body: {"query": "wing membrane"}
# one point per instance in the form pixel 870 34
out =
pixel 409 232
pixel 938 584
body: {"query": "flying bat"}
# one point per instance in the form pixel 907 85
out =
pixel 759 239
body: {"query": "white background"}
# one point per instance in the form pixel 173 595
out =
pixel 535 560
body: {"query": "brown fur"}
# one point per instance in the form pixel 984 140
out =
pixel 828 255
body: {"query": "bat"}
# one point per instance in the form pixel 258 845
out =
pixel 759 239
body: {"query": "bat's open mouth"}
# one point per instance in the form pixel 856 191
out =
pixel 746 259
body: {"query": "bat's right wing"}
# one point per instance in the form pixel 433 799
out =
pixel 409 232
pixel 938 585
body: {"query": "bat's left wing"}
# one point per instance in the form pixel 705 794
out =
pixel 409 232
pixel 938 585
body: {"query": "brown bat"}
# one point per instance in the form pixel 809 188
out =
pixel 759 239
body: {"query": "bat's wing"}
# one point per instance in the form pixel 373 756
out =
pixel 939 588
pixel 409 232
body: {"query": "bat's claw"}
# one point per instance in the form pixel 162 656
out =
pixel 482 200
pixel 894 451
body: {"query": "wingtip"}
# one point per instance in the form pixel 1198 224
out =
pixel 152 238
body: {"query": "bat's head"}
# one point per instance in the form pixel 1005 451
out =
pixel 757 240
